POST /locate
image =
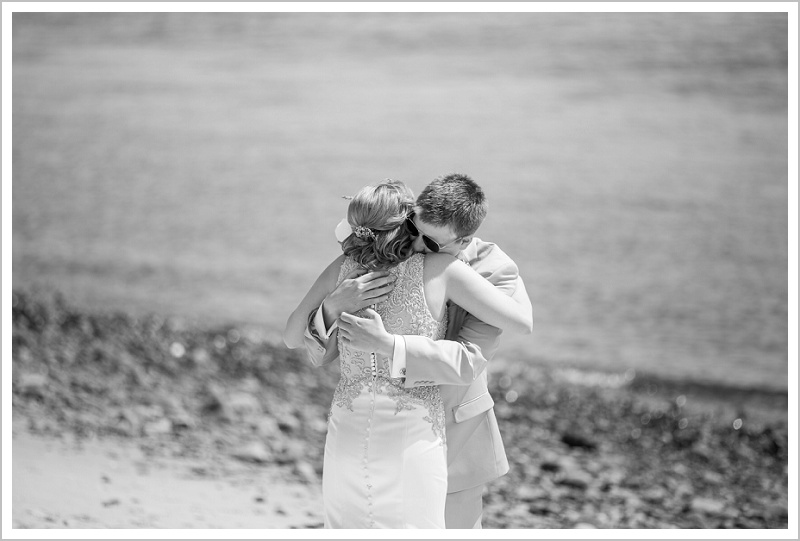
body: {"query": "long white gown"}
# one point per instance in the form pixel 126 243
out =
pixel 385 457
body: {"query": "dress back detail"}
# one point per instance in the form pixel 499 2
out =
pixel 404 312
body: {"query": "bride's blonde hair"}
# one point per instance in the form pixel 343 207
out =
pixel 378 215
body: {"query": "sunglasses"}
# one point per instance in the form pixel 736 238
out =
pixel 432 245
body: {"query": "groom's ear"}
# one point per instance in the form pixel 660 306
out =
pixel 465 241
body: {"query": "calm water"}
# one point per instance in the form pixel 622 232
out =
pixel 636 166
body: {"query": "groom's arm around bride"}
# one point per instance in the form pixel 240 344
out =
pixel 458 364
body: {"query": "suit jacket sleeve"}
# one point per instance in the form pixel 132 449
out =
pixel 319 351
pixel 461 360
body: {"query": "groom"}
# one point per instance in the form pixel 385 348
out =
pixel 448 212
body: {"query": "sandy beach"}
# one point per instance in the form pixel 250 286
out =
pixel 67 483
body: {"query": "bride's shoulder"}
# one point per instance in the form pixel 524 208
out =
pixel 338 262
pixel 332 270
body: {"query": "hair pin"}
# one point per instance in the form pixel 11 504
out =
pixel 364 233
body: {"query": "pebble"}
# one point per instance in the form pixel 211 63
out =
pixel 289 451
pixel 267 427
pixel 253 452
pixel 306 471
pixel 708 506
pixel 159 427
pixel 182 420
pixel 683 489
pixel 654 495
pixel 539 508
pixel 243 404
pixel 289 422
pixel 576 479
pixel 518 511
pixel 528 493
pixel 578 440
pixel 144 411
pixel 34 385
pixel 680 469
pixel 550 466
pixel 713 478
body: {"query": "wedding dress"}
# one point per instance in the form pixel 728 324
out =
pixel 385 456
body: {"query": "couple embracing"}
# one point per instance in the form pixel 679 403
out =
pixel 413 310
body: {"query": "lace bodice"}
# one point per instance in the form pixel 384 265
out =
pixel 404 312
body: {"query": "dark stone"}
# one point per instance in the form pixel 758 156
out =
pixel 577 440
pixel 550 466
pixel 576 479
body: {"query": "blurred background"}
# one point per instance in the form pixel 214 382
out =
pixel 192 165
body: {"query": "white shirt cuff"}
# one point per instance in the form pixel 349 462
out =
pixel 399 358
pixel 319 325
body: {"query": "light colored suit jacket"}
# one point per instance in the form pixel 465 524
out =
pixel 475 452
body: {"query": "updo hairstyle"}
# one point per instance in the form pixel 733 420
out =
pixel 378 215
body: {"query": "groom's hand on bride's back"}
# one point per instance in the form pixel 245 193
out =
pixel 366 333
pixel 358 290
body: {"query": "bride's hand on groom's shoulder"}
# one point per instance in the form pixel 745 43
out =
pixel 358 290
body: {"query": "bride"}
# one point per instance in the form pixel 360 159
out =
pixel 385 456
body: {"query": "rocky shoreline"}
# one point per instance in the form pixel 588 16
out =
pixel 585 454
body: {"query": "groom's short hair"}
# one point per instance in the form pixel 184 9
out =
pixel 454 201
